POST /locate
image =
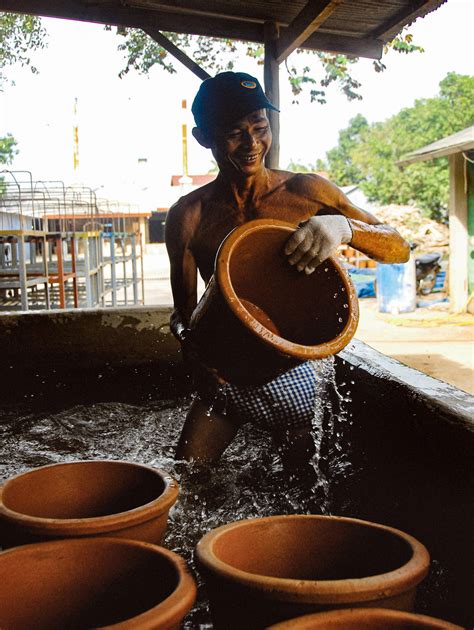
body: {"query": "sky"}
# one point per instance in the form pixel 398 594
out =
pixel 130 128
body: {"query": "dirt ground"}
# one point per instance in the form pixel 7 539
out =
pixel 431 340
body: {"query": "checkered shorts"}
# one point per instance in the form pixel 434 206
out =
pixel 292 400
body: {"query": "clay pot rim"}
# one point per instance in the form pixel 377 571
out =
pixel 363 614
pixel 94 524
pixel 181 598
pixel 323 591
pixel 303 352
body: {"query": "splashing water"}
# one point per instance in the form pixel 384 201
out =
pixel 248 482
pixel 330 420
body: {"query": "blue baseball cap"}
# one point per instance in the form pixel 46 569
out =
pixel 227 97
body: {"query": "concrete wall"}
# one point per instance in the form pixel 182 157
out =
pixel 407 438
pixel 411 445
pixel 59 356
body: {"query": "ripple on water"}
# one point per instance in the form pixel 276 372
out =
pixel 248 482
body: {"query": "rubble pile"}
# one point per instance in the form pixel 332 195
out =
pixel 427 234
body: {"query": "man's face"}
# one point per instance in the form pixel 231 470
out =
pixel 243 146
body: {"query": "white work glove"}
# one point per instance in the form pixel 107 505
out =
pixel 317 239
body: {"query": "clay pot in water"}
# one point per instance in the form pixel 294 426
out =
pixel 86 498
pixel 93 583
pixel 262 571
pixel 259 316
pixel 367 618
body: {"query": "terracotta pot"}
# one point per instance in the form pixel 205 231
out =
pixel 86 498
pixel 259 316
pixel 92 583
pixel 367 618
pixel 262 571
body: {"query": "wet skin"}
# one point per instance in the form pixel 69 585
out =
pixel 244 190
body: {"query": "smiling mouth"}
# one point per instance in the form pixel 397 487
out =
pixel 248 159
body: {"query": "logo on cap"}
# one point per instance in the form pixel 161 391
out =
pixel 248 84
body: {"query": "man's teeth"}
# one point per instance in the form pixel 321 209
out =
pixel 250 158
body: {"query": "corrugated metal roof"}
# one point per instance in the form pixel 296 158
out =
pixel 358 27
pixel 457 142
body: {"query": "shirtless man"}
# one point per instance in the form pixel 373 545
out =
pixel 231 120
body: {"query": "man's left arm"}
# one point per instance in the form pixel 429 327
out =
pixel 339 221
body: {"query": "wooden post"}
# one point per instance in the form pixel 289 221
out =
pixel 272 90
pixel 458 235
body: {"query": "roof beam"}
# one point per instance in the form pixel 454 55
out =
pixel 371 48
pixel 168 45
pixel 120 15
pixel 305 23
pixel 418 8
pixel 117 14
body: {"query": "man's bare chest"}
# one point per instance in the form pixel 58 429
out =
pixel 218 219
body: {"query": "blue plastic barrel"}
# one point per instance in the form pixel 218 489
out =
pixel 396 287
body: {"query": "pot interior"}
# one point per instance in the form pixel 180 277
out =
pixel 81 584
pixel 82 490
pixel 367 618
pixel 304 309
pixel 310 549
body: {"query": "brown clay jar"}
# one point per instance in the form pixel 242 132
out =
pixel 262 571
pixel 86 498
pixel 259 316
pixel 366 618
pixel 93 583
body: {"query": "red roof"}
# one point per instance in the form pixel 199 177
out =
pixel 197 180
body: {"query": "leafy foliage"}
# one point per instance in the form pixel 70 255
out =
pixel 367 154
pixel 7 152
pixel 22 34
pixel 297 167
pixel 343 168
pixel 7 149
pixel 19 36
pixel 217 55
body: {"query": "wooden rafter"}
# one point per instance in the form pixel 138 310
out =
pixel 315 13
pixel 370 48
pixel 168 45
pixel 121 15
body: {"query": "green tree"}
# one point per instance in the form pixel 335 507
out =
pixel 7 152
pixel 20 35
pixel 7 149
pixel 297 167
pixel 374 154
pixel 216 55
pixel 339 159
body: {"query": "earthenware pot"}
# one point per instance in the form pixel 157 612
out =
pixel 266 570
pixel 92 583
pixel 259 316
pixel 367 618
pixel 86 498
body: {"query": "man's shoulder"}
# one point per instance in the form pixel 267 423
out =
pixel 191 202
pixel 306 183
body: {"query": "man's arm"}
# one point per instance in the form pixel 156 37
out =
pixel 183 270
pixel 340 221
